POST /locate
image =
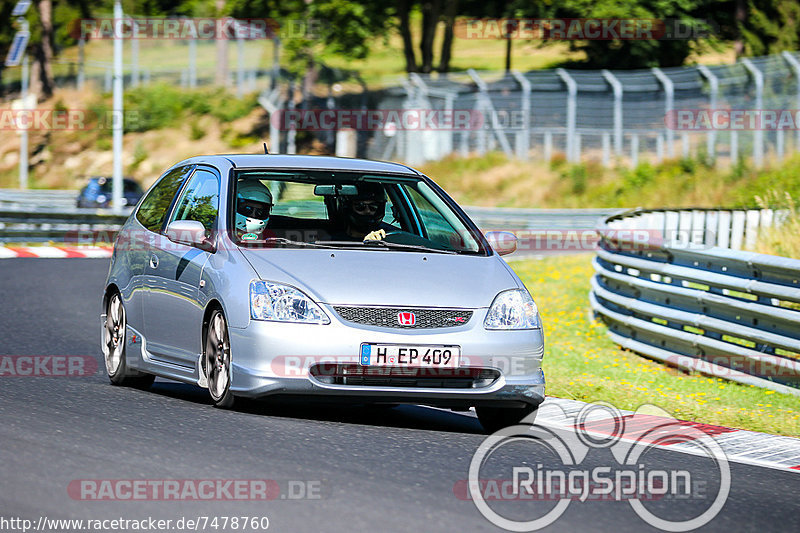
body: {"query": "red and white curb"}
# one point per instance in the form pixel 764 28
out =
pixel 739 446
pixel 55 252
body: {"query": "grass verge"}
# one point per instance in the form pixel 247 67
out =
pixel 582 363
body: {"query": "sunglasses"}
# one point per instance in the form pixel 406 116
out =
pixel 253 209
pixel 362 207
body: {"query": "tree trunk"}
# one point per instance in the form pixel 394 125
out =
pixel 430 18
pixel 740 16
pixel 508 53
pixel 42 78
pixel 221 77
pixel 447 43
pixel 403 8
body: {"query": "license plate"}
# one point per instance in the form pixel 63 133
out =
pixel 425 356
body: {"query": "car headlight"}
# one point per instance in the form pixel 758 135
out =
pixel 512 309
pixel 282 303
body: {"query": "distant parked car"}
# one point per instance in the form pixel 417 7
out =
pixel 99 193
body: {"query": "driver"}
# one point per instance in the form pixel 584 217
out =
pixel 362 215
pixel 253 205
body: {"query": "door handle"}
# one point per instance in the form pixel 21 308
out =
pixel 154 261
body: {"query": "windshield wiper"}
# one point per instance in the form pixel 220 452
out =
pixel 389 245
pixel 285 242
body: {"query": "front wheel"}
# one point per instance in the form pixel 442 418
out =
pixel 217 361
pixel 114 347
pixel 496 418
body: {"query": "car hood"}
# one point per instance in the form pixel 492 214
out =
pixel 383 277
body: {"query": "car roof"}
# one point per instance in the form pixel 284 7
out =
pixel 305 162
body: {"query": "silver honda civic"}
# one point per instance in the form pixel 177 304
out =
pixel 345 279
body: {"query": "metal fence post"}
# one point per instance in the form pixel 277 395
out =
pixel 548 146
pixel 291 145
pixel 685 144
pixel 634 150
pixel 713 83
pixel 240 63
pixel 795 65
pixel 660 148
pixel 276 62
pixel 669 104
pixel 82 63
pixel 572 107
pixel 734 147
pixel 486 104
pixel 606 141
pixel 758 134
pixel 616 86
pixel 134 56
pixel 444 137
pixel 524 136
pixel 192 63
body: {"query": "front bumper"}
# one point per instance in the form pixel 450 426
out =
pixel 270 358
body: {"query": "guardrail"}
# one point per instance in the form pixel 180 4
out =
pixel 38 199
pixel 673 288
pixel 67 226
pixel 507 218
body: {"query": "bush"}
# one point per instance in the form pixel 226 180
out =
pixel 163 106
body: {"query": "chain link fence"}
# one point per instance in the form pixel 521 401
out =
pixel 608 116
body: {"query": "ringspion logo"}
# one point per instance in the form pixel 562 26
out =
pixel 524 477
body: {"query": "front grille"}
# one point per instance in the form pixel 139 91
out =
pixel 388 317
pixel 372 376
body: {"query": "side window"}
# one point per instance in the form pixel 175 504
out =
pixel 200 200
pixel 438 228
pixel 153 210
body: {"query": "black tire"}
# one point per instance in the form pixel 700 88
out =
pixel 496 418
pixel 114 337
pixel 217 360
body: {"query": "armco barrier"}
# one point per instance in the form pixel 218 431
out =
pixel 681 293
pixel 41 225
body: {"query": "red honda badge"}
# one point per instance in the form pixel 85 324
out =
pixel 406 318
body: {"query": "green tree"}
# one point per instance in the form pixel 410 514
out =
pixel 633 53
pixel 769 27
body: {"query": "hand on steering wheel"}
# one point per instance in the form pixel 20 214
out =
pixel 376 235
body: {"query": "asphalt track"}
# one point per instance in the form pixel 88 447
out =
pixel 377 469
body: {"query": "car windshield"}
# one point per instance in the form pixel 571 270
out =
pixel 311 209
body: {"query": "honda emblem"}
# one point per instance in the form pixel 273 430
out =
pixel 406 318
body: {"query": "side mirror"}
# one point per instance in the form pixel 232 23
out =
pixel 189 232
pixel 502 242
